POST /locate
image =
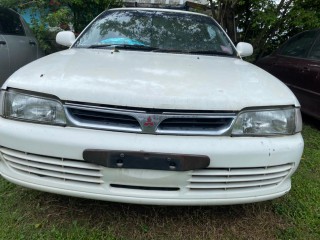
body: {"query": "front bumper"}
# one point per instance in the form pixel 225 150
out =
pixel 241 170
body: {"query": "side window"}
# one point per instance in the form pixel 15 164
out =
pixel 299 45
pixel 315 51
pixel 10 23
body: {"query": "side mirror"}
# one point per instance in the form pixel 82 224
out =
pixel 244 49
pixel 65 38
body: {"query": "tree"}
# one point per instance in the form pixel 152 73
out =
pixel 59 13
pixel 55 12
pixel 79 12
pixel 224 12
pixel 265 23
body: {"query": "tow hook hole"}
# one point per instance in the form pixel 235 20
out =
pixel 119 163
pixel 172 165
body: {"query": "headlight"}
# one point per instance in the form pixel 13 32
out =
pixel 268 122
pixel 33 108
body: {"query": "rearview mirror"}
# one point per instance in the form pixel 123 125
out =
pixel 65 38
pixel 244 49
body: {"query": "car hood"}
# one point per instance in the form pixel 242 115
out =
pixel 152 80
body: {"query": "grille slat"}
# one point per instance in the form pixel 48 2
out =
pixel 235 184
pixel 45 173
pixel 185 124
pixel 241 171
pixel 238 178
pixel 242 178
pixel 49 160
pixel 104 118
pixel 76 171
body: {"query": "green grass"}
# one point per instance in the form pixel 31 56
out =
pixel 301 208
pixel 29 214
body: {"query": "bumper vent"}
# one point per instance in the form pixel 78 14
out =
pixel 50 167
pixel 146 188
pixel 238 178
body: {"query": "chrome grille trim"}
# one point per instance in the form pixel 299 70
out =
pixel 113 125
pixel 238 178
pixel 51 167
pixel 198 125
pixel 169 123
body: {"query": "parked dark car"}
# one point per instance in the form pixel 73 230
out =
pixel 18 45
pixel 297 64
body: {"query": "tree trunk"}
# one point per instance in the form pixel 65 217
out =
pixel 224 12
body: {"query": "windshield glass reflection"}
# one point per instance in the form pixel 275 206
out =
pixel 157 31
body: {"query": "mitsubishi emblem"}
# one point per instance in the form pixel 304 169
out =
pixel 149 122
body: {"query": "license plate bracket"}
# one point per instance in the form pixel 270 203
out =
pixel 145 160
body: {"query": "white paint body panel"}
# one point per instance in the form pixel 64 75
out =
pixel 152 80
pixel 224 152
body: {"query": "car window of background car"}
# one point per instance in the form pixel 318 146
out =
pixel 10 23
pixel 315 51
pixel 299 45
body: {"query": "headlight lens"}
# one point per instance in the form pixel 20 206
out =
pixel 32 108
pixel 268 122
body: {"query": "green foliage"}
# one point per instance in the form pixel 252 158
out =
pixel 81 11
pixel 61 16
pixel 304 15
pixel 268 23
pixel 57 15
pixel 302 205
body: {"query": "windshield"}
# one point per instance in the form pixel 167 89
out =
pixel 156 31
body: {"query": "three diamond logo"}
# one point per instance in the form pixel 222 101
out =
pixel 149 122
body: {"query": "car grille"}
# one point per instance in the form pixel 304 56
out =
pixel 66 170
pixel 216 179
pixel 152 122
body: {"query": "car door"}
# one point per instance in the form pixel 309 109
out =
pixel 309 94
pixel 4 59
pixel 291 57
pixel 22 48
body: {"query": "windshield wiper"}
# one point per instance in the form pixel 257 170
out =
pixel 155 49
pixel 210 52
pixel 97 46
pixel 123 46
pixel 164 50
pixel 204 52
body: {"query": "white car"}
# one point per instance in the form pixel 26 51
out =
pixel 150 106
